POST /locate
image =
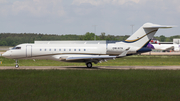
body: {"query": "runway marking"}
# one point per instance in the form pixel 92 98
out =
pixel 93 68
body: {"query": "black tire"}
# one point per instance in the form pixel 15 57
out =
pixel 89 65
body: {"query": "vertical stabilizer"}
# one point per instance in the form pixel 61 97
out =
pixel 144 34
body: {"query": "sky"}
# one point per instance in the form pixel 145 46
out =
pixel 114 17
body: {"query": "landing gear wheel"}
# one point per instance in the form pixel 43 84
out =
pixel 89 65
pixel 16 65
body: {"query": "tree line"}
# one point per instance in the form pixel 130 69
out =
pixel 12 39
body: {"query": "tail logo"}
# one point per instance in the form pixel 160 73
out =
pixel 131 41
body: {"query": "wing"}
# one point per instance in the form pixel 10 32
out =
pixel 86 58
pixel 169 48
pixel 91 58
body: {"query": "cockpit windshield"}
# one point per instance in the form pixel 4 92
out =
pixel 16 48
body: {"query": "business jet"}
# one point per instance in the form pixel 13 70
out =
pixel 87 52
pixel 162 47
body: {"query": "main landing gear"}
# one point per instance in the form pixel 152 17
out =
pixel 89 65
pixel 17 65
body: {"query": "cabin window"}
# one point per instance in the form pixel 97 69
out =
pixel 114 47
pixel 79 49
pixel 40 49
pixel 74 49
pixel 44 49
pixel 16 48
pixel 59 49
pixel 49 49
pixel 84 49
pixel 64 49
pixel 54 49
pixel 69 49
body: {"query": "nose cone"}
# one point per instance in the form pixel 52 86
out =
pixel 6 54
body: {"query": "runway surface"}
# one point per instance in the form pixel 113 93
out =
pixel 93 68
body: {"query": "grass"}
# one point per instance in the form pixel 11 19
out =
pixel 92 85
pixel 135 60
pixel 95 85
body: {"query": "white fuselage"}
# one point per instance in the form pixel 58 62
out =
pixel 63 49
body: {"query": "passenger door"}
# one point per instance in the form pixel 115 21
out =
pixel 28 50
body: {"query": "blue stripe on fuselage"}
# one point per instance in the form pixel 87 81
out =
pixel 143 50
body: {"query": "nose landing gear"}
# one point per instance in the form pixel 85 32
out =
pixel 17 65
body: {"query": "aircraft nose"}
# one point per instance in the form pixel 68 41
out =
pixel 5 54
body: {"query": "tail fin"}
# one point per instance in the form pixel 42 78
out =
pixel 144 34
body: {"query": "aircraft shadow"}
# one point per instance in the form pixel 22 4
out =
pixel 82 68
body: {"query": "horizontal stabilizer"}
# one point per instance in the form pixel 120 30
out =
pixel 150 25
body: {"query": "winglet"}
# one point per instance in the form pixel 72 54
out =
pixel 123 54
